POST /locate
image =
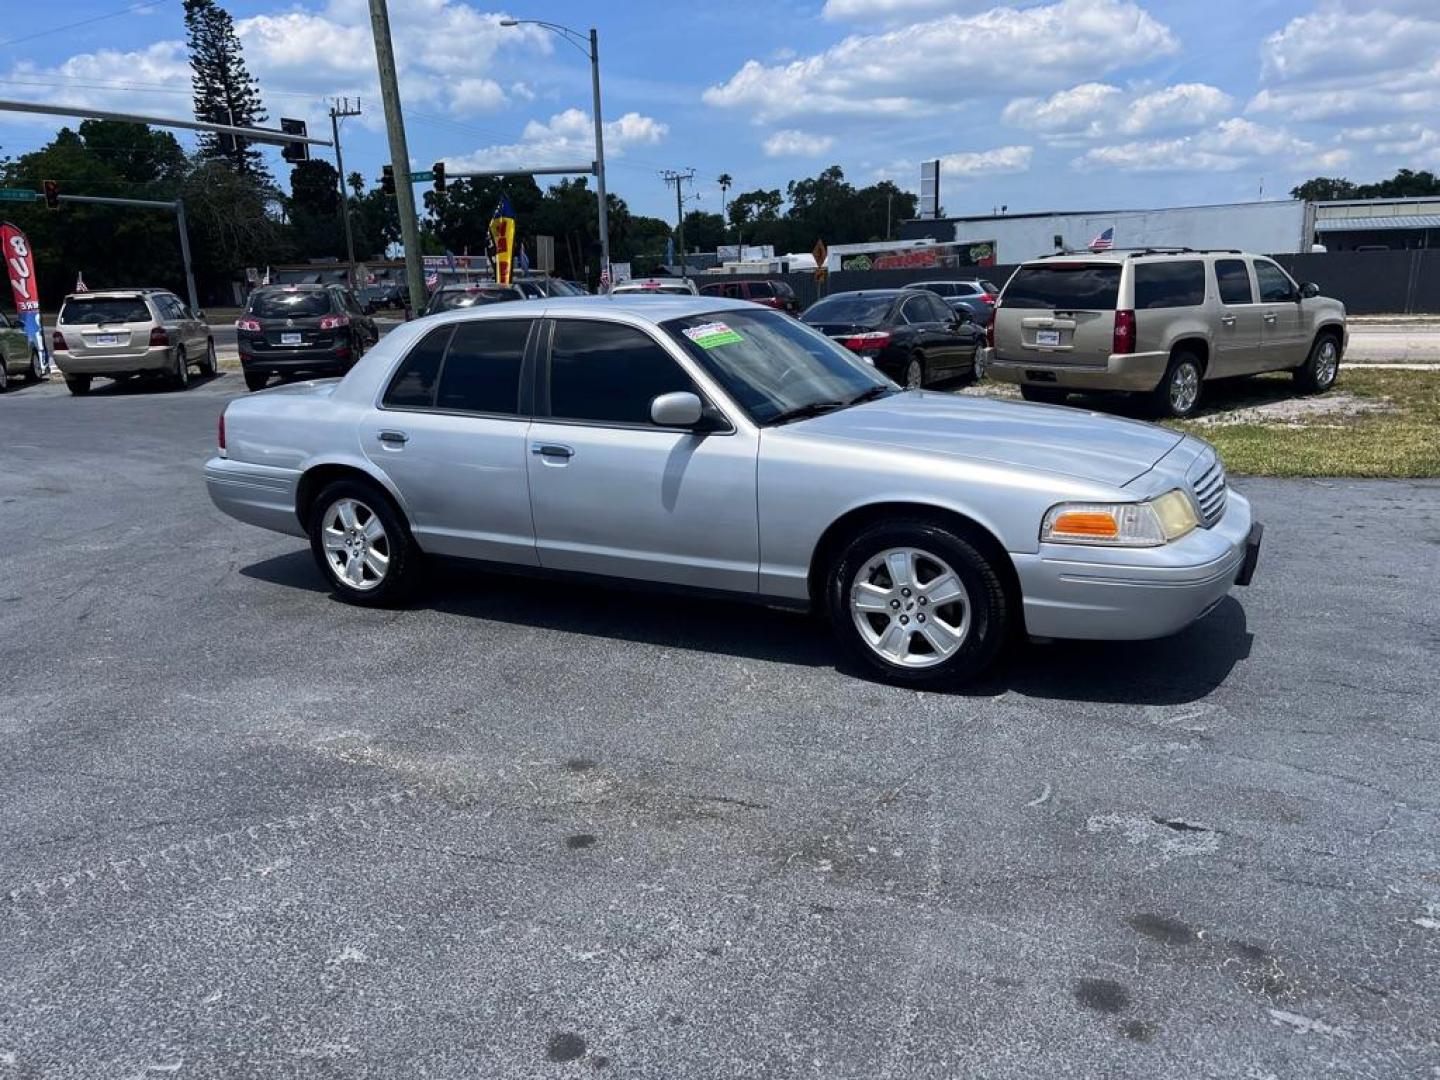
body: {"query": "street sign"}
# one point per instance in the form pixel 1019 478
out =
pixel 422 177
pixel 15 194
pixel 821 253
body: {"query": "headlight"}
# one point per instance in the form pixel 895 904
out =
pixel 1148 524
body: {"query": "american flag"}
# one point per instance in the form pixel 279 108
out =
pixel 1105 241
pixel 80 285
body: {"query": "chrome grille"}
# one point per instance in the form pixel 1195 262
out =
pixel 1207 481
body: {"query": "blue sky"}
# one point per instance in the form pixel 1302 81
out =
pixel 1062 104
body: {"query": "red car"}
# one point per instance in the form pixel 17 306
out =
pixel 774 294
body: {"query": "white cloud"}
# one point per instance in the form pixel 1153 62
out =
pixel 1002 49
pixel 1092 110
pixel 1229 145
pixel 1003 159
pixel 885 10
pixel 472 94
pixel 89 81
pixel 567 138
pixel 791 143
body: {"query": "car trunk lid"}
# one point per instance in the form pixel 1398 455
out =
pixel 1059 312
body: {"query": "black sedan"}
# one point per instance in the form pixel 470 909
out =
pixel 311 330
pixel 910 334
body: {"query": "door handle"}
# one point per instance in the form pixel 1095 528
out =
pixel 552 450
pixel 1227 320
pixel 1270 316
pixel 394 438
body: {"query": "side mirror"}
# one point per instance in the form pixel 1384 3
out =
pixel 681 409
pixel 1308 290
pixel 964 315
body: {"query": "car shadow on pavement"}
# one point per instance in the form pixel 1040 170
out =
pixel 144 385
pixel 1167 671
pixel 1221 395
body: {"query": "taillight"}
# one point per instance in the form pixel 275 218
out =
pixel 252 325
pixel 989 298
pixel 870 341
pixel 1124 332
pixel 57 341
pixel 334 322
pixel 159 336
pixel 220 435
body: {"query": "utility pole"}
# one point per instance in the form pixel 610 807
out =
pixel 399 154
pixel 678 179
pixel 605 282
pixel 340 109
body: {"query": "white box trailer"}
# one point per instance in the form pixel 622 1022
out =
pixel 1271 228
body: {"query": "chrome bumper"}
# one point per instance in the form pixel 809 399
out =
pixel 255 494
pixel 1121 594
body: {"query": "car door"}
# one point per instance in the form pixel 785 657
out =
pixel 1238 338
pixel 961 332
pixel 612 492
pixel 1282 343
pixel 196 331
pixel 932 332
pixel 14 349
pixel 450 434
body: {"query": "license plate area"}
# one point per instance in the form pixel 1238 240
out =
pixel 1047 337
pixel 292 339
pixel 107 339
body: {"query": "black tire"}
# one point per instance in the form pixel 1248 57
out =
pixel 211 364
pixel 1320 370
pixel 1181 387
pixel 35 372
pixel 1042 395
pixel 404 556
pixel 79 385
pixel 990 606
pixel 255 380
pixel 915 373
pixel 180 377
pixel 4 376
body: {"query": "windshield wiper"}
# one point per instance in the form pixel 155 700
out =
pixel 801 412
pixel 870 395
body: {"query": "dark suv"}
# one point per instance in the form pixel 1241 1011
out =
pixel 774 294
pixel 289 330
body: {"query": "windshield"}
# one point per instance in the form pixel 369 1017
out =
pixel 450 300
pixel 289 305
pixel 1068 286
pixel 104 309
pixel 856 309
pixel 772 365
pixel 642 289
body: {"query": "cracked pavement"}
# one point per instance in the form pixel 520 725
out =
pixel 525 829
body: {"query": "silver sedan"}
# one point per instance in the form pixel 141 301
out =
pixel 719 446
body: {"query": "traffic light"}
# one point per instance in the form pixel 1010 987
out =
pixel 438 171
pixel 295 151
pixel 387 179
pixel 52 194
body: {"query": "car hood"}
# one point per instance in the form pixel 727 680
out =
pixel 1052 438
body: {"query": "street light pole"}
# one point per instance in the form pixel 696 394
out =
pixel 399 154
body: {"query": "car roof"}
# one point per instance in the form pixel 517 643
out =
pixel 299 286
pixel 945 281
pixel 651 309
pixel 1121 255
pixel 115 294
pixel 883 293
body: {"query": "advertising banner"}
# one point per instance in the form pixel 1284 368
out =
pixel 20 268
pixel 502 239
pixel 930 257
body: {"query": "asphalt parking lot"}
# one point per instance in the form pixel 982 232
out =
pixel 540 830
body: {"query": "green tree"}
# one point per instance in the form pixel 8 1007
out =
pixel 1323 189
pixel 1405 184
pixel 225 92
pixel 314 208
pixel 704 231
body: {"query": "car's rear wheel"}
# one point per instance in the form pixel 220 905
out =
pixel 36 371
pixel 1178 394
pixel 363 547
pixel 918 604
pixel 1321 367
pixel 211 364
pixel 4 376
pixel 1043 395
pixel 180 376
pixel 915 374
pixel 255 380
pixel 77 384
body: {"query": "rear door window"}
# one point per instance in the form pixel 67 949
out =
pixel 761 288
pixel 413 386
pixel 1233 280
pixel 481 372
pixel 87 311
pixel 1169 284
pixel 1065 286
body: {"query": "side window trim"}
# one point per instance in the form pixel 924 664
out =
pixel 383 403
pixel 1249 280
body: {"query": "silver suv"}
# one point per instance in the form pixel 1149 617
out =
pixel 1160 322
pixel 122 332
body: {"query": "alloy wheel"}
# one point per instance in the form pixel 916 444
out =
pixel 1184 388
pixel 1327 364
pixel 914 375
pixel 910 607
pixel 357 548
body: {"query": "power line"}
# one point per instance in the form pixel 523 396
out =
pixel 84 22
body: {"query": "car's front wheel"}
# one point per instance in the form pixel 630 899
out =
pixel 36 371
pixel 211 364
pixel 918 604
pixel 1321 367
pixel 362 545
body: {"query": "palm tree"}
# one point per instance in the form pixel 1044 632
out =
pixel 724 180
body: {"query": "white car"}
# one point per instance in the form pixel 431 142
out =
pixel 656 286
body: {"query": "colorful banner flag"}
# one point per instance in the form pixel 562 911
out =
pixel 502 239
pixel 20 268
